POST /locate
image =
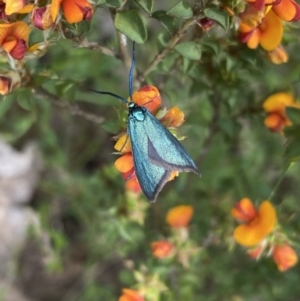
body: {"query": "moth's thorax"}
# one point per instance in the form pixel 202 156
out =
pixel 136 112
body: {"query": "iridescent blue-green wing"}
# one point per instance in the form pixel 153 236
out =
pixel 164 149
pixel 151 177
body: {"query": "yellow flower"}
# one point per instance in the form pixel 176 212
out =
pixel 258 227
pixel 179 216
pixel 267 34
pixel 275 106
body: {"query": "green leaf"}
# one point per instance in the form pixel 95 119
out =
pixel 189 50
pixel 147 5
pixel 292 151
pixel 131 24
pixel 166 21
pixel 110 3
pixel 25 99
pixel 35 36
pixel 66 89
pixel 218 15
pixel 293 114
pixel 292 132
pixel 83 27
pixel 6 103
pixel 182 10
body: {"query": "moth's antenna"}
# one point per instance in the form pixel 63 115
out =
pixel 111 94
pixel 131 70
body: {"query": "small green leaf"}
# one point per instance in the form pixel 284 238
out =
pixel 25 99
pixel 292 151
pixel 131 24
pixel 35 36
pixel 218 15
pixel 110 3
pixel 166 21
pixel 6 103
pixel 83 27
pixel 66 89
pixel 292 132
pixel 189 50
pixel 182 10
pixel 147 5
pixel 293 115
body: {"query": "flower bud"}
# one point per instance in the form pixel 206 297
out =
pixel 9 81
pixel 41 17
pixel 278 55
pixel 19 50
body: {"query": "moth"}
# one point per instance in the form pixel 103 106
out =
pixel 156 152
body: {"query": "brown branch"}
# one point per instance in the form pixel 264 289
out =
pixel 172 43
pixel 73 109
pixel 95 46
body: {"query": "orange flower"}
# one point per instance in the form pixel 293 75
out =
pixel 14 38
pixel 130 295
pixel 275 106
pixel 278 55
pixel 254 231
pixel 179 216
pixel 133 185
pixel 148 97
pixel 74 10
pixel 287 10
pixel 162 248
pixel 173 118
pixel 285 257
pixel 268 34
pixel 244 210
pixel 124 163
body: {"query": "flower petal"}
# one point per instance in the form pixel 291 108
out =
pixel 278 101
pixel 149 97
pixel 179 216
pixel 55 5
pixel 287 10
pixel 73 10
pixel 271 31
pixel 275 122
pixel 244 210
pixel 161 249
pixel 130 295
pixel 123 144
pixel 173 118
pixel 285 257
pixel 124 163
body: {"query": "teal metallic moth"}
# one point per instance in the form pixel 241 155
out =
pixel 156 152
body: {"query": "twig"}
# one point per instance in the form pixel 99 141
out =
pixel 172 43
pixel 95 46
pixel 73 109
